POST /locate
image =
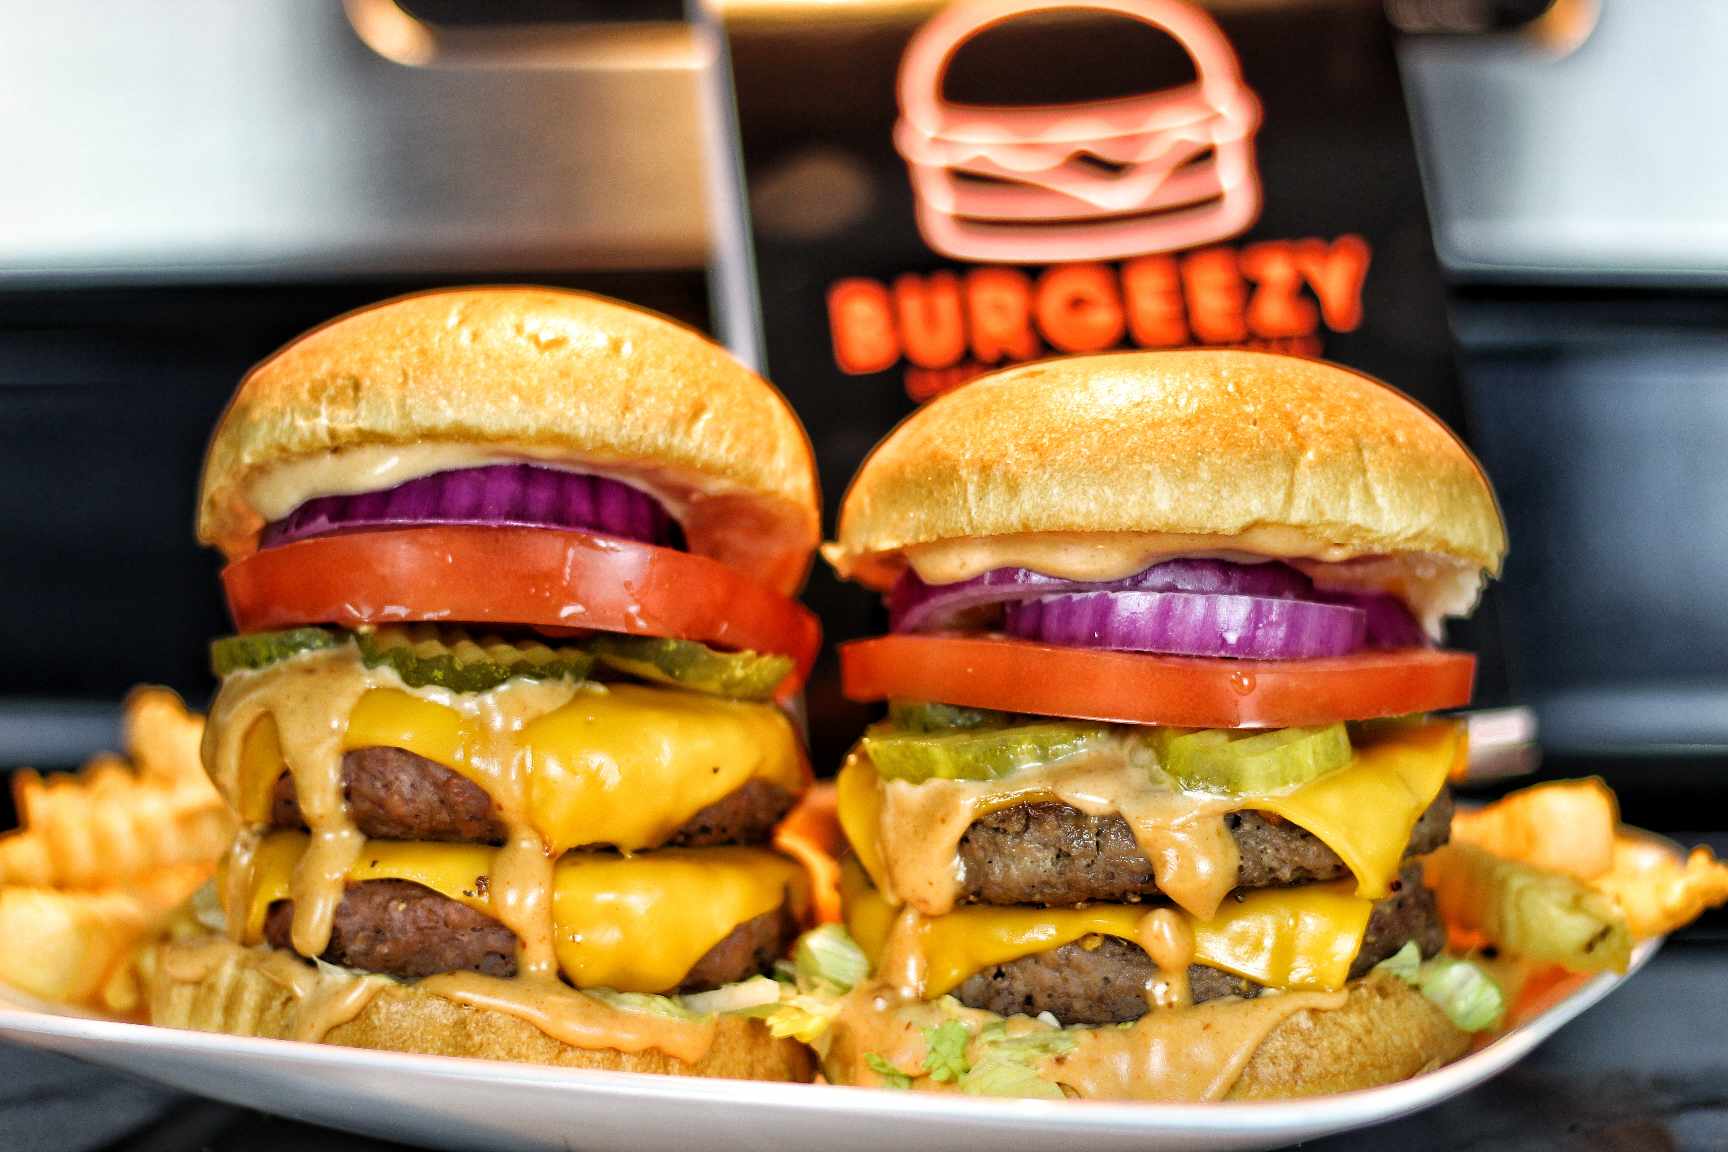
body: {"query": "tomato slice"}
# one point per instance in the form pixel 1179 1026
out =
pixel 538 577
pixel 1139 688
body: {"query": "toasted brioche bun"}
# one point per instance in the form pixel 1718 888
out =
pixel 1384 1032
pixel 538 374
pixel 1221 448
pixel 238 999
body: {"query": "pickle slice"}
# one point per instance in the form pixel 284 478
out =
pixel 424 655
pixel 927 716
pixel 257 649
pixel 1238 764
pixel 976 755
pixel 697 667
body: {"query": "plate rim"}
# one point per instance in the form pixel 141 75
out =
pixel 1341 1111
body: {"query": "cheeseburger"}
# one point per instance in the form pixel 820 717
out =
pixel 504 719
pixel 1143 816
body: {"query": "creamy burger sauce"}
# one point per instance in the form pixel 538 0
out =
pixel 320 998
pixel 1182 834
pixel 309 700
pixel 1434 586
pixel 283 487
pixel 1169 940
pixel 1194 1055
pixel 1197 1054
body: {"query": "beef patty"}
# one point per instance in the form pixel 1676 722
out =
pixel 404 929
pixel 1103 980
pixel 394 794
pixel 1054 854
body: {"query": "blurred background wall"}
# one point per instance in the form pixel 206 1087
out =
pixel 189 184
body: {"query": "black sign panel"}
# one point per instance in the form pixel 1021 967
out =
pixel 942 191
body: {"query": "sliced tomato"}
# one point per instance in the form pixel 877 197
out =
pixel 536 577
pixel 1139 688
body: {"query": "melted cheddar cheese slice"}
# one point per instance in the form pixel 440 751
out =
pixel 1289 938
pixel 635 924
pixel 618 764
pixel 1364 811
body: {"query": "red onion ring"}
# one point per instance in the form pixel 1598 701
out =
pixel 914 606
pixel 1191 624
pixel 1391 624
pixel 499 495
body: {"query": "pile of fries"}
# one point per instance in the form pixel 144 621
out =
pixel 103 860
pixel 1550 879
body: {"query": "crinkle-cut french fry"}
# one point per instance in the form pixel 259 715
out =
pixel 110 822
pixel 81 948
pixel 1567 826
pixel 65 946
pixel 163 736
pixel 1658 893
pixel 1528 912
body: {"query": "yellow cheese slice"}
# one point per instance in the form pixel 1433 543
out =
pixel 1289 938
pixel 1366 810
pixel 636 924
pixel 619 764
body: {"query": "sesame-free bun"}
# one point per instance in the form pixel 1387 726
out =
pixel 1228 450
pixel 236 997
pixel 1385 1031
pixel 469 376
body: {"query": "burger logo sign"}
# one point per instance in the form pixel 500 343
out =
pixel 1087 225
pixel 1020 184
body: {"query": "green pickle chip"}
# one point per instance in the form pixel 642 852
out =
pixel 697 667
pixel 1244 764
pixel 256 650
pixel 429 655
pixel 978 754
pixel 424 655
pixel 926 716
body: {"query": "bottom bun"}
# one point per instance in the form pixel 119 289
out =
pixel 216 986
pixel 1384 1031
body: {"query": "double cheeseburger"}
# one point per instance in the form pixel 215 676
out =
pixel 1143 818
pixel 504 719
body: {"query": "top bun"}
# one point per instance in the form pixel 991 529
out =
pixel 1216 450
pixel 483 375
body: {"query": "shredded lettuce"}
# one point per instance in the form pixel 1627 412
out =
pixel 1406 963
pixel 828 955
pixel 742 996
pixel 1464 991
pixel 945 1051
pixel 1008 1066
pixel 207 908
pixel 805 1017
pixel 646 1003
pixel 892 1077
pixel 997 1075
pixel 1461 988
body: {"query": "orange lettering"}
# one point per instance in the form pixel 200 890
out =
pixel 1078 308
pixel 999 304
pixel 1336 272
pixel 1217 295
pixel 1277 307
pixel 1152 296
pixel 931 326
pixel 862 326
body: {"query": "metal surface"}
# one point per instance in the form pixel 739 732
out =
pixel 240 139
pixel 1584 149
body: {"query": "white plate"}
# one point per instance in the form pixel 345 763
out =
pixel 476 1104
